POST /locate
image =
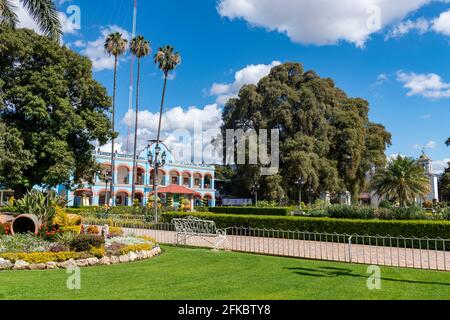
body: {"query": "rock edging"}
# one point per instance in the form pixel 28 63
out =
pixel 130 257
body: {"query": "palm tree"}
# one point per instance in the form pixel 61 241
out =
pixel 43 12
pixel 115 45
pixel 140 48
pixel 403 179
pixel 167 61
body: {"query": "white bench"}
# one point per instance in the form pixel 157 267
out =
pixel 194 227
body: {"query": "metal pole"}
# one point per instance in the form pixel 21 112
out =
pixel 350 248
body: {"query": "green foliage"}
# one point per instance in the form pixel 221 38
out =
pixel 251 211
pixel 51 109
pixel 444 184
pixel 403 180
pixel 43 205
pixel 43 12
pixel 23 243
pixel 326 137
pixel 134 248
pixel 42 257
pixel 85 242
pixel 421 229
pixel 351 212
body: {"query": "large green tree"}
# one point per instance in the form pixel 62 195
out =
pixel 326 137
pixel 444 184
pixel 51 110
pixel 402 180
pixel 43 12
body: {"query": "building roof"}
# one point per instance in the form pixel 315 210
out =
pixel 176 189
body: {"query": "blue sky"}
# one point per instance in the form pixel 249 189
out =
pixel 396 55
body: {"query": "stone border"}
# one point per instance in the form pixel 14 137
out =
pixel 130 257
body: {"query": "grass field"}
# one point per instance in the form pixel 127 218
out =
pixel 203 274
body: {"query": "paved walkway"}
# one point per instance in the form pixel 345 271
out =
pixel 319 250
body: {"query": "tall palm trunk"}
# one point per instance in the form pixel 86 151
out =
pixel 113 164
pixel 155 177
pixel 133 185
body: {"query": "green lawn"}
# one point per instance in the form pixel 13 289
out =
pixel 204 274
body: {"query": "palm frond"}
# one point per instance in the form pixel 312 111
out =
pixel 115 44
pixel 167 59
pixel 8 15
pixel 140 47
pixel 46 16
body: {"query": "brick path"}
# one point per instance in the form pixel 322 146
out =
pixel 319 250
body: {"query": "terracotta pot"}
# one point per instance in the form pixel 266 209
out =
pixel 25 223
pixel 4 218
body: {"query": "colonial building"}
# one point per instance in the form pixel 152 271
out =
pixel 176 180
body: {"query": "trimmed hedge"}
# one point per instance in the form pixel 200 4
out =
pixel 419 229
pixel 251 211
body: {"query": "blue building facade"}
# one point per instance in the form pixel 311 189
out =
pixel 196 181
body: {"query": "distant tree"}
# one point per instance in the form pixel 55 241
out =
pixel 43 12
pixel 51 109
pixel 140 48
pixel 116 46
pixel 448 142
pixel 167 60
pixel 444 184
pixel 326 137
pixel 403 180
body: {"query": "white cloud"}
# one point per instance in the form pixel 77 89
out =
pixel 420 25
pixel 442 23
pixel 439 166
pixel 251 74
pixel 178 122
pixel 429 145
pixel 321 22
pixel 68 26
pixel 95 50
pixel 428 85
pixel 426 116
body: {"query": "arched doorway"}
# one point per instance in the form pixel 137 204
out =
pixel 186 179
pixel 82 198
pixel 122 197
pixel 123 175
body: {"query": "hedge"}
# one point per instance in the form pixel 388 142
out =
pixel 410 228
pixel 251 211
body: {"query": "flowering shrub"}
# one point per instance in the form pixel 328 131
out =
pixel 115 232
pixel 85 242
pixel 134 248
pixel 127 241
pixel 43 257
pixel 93 230
pixel 5 229
pixel 98 252
pixel 23 243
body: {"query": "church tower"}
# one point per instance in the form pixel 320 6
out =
pixel 427 164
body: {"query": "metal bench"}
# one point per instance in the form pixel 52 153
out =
pixel 193 227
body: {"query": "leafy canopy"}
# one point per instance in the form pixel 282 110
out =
pixel 51 110
pixel 403 180
pixel 326 137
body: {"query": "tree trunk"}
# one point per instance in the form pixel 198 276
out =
pixel 133 184
pixel 113 166
pixel 155 177
pixel 20 191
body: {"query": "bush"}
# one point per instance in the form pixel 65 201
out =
pixel 134 248
pixel 5 229
pixel 93 230
pixel 351 212
pixel 41 257
pixel 98 252
pixel 251 211
pixel 23 243
pixel 420 229
pixel 85 242
pixel 115 232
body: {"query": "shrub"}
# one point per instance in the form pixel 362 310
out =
pixel 5 229
pixel 72 229
pixel 93 230
pixel 115 232
pixel 134 248
pixel 431 229
pixel 85 242
pixel 251 211
pixel 350 212
pixel 23 243
pixel 41 257
pixel 59 247
pixel 98 252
